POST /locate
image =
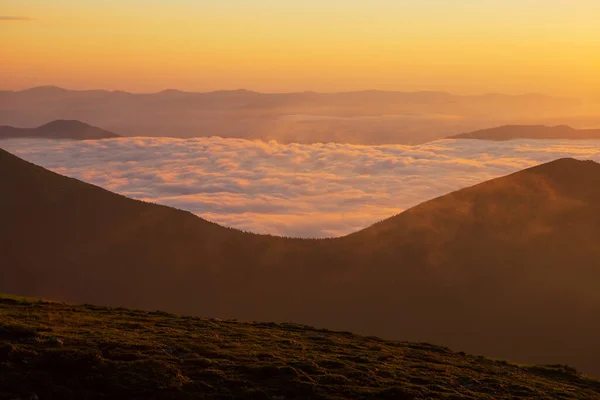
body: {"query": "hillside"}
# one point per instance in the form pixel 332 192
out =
pixel 509 132
pixel 507 268
pixel 59 129
pixel 59 351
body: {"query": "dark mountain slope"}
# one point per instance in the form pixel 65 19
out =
pixel 59 129
pixel 60 351
pixel 509 132
pixel 507 268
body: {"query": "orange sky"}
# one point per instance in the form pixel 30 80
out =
pixel 461 46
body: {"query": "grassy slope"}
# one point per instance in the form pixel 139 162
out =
pixel 61 351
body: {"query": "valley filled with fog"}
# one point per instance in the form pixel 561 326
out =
pixel 300 190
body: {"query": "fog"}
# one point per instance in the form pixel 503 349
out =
pixel 318 190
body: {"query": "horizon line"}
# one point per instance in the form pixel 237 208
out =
pixel 244 90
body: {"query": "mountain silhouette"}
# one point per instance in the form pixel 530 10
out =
pixel 509 132
pixel 359 117
pixel 507 268
pixel 59 129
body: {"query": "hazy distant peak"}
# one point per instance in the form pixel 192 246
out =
pixel 58 129
pixel 64 124
pixel 236 92
pixel 46 89
pixel 508 132
pixel 524 127
pixel 172 92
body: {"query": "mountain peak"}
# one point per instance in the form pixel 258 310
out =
pixel 46 89
pixel 64 124
pixel 517 197
pixel 509 132
pixel 58 129
pixel 237 92
pixel 566 162
pixel 569 174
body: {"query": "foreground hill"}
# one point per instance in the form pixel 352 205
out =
pixel 59 129
pixel 59 351
pixel 509 132
pixel 507 268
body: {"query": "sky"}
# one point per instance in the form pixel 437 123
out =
pixel 460 46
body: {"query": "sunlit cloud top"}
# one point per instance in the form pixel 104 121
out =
pixel 318 190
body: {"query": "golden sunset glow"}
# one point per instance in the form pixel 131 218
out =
pixel 266 45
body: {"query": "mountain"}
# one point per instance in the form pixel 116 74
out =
pixel 63 351
pixel 507 268
pixel 361 117
pixel 509 132
pixel 59 129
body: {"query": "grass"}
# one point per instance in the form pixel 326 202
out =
pixel 51 350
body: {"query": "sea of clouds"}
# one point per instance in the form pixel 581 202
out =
pixel 317 190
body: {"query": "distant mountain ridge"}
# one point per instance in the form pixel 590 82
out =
pixel 508 132
pixel 59 129
pixel 51 89
pixel 369 117
pixel 507 268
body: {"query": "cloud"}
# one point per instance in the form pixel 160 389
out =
pixel 314 190
pixel 14 18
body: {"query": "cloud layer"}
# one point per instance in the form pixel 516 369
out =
pixel 315 190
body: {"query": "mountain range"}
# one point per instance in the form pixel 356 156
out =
pixel 508 132
pixel 363 117
pixel 59 129
pixel 506 268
